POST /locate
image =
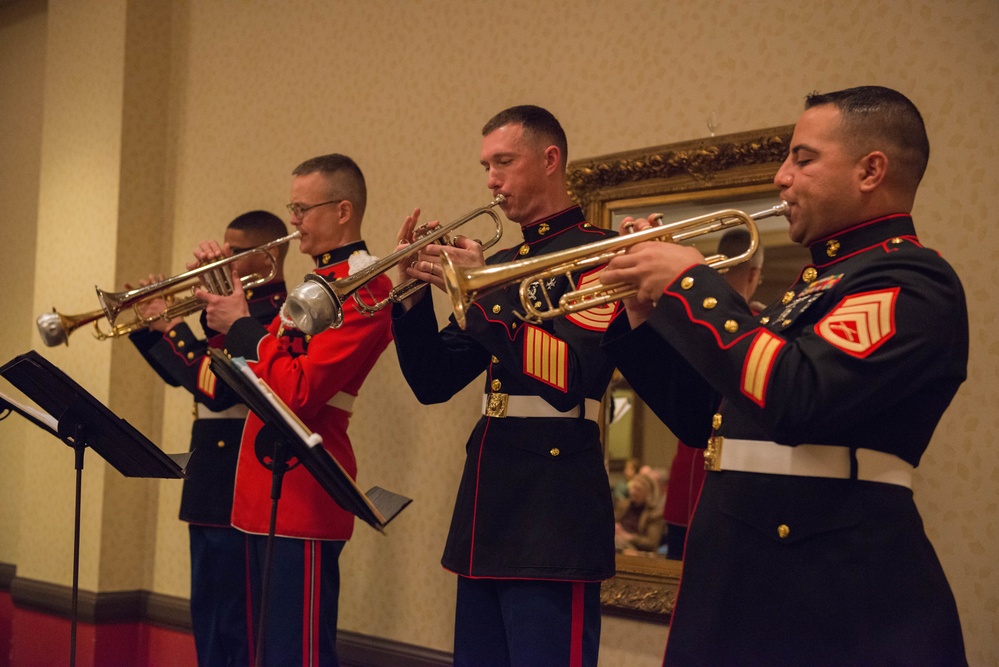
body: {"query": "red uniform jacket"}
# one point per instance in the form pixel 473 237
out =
pixel 307 372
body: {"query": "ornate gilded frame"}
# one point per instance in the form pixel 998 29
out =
pixel 719 168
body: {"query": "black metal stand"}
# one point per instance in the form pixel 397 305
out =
pixel 277 465
pixel 81 421
pixel 79 449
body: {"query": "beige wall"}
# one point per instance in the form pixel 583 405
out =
pixel 236 94
pixel 22 73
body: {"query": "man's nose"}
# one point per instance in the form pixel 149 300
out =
pixel 782 178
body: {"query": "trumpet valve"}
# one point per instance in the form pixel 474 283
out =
pixel 426 230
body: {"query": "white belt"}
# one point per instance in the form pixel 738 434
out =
pixel 812 461
pixel 534 406
pixel 238 411
pixel 342 401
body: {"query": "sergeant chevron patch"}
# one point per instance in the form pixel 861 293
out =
pixel 756 367
pixel 861 323
pixel 599 317
pixel 206 379
pixel 546 358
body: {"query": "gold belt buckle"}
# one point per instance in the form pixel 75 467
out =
pixel 496 405
pixel 712 455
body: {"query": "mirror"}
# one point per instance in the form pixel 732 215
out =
pixel 680 181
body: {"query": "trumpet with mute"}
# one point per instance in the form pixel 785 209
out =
pixel 465 285
pixel 317 304
pixel 176 292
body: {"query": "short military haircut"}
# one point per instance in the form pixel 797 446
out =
pixel 735 242
pixel 538 123
pixel 344 177
pixel 879 118
pixel 261 227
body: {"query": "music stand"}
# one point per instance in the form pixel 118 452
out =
pixel 291 438
pixel 74 416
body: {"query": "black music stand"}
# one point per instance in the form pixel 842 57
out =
pixel 74 416
pixel 288 437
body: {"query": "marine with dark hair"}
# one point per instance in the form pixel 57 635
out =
pixel 532 534
pixel 180 358
pixel 318 377
pixel 806 547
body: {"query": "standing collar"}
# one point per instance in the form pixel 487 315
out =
pixel 858 238
pixel 338 255
pixel 553 224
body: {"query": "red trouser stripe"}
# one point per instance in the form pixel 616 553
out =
pixel 576 637
pixel 310 606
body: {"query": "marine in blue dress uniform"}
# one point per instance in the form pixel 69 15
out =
pixel 806 546
pixel 532 533
pixel 218 551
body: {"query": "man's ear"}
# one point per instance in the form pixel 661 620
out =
pixel 345 210
pixel 874 169
pixel 553 157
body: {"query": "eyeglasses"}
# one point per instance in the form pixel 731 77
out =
pixel 298 210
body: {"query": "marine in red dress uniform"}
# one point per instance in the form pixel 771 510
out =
pixel 318 378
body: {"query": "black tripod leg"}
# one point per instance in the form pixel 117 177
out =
pixel 79 448
pixel 278 467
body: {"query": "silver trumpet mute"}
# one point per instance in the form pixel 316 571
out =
pixel 314 306
pixel 52 329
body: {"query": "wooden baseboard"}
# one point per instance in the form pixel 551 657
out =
pixel 139 606
pixel 7 572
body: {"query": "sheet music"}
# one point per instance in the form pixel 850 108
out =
pixel 40 416
pixel 376 508
pixel 290 418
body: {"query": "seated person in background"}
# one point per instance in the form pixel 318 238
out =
pixel 639 518
pixel 659 476
pixel 629 471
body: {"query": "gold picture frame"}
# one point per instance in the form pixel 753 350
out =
pixel 708 171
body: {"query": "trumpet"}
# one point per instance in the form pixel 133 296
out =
pixel 466 285
pixel 214 277
pixel 317 304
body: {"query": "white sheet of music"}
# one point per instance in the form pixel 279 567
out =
pixel 43 417
pixel 290 418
